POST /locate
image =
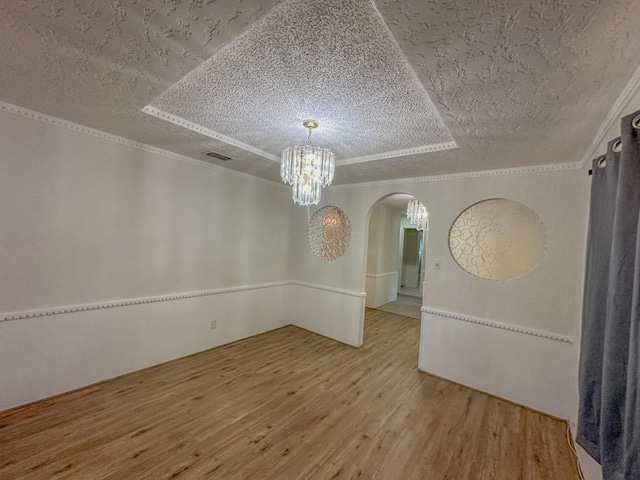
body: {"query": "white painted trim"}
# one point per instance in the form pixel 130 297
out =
pixel 350 293
pixel 380 275
pixel 551 167
pixel 615 114
pixel 181 122
pixel 5 317
pixel 24 112
pixel 85 307
pixel 398 153
pixel 503 326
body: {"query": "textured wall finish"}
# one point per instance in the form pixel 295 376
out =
pixel 497 239
pixel 332 60
pixel 517 83
pixel 329 233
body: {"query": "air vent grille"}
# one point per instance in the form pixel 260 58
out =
pixel 217 156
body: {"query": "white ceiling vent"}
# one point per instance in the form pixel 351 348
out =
pixel 217 155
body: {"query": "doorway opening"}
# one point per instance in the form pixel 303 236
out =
pixel 395 258
pixel 411 276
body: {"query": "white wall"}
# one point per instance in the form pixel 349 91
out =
pixel 86 220
pixel 325 310
pixel 543 306
pixel 381 288
pixel 382 256
pixel 527 367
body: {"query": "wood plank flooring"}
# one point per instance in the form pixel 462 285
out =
pixel 287 404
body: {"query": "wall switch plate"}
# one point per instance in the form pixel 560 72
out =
pixel 214 324
pixel 436 264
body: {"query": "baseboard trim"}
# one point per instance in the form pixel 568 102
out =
pixel 86 307
pixel 574 449
pixel 497 397
pixel 502 326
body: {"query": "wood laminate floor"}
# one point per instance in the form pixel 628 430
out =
pixel 287 404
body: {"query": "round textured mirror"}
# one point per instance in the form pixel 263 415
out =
pixel 497 239
pixel 329 233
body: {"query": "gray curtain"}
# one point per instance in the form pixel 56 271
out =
pixel 609 381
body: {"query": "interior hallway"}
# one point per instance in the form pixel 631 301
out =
pixel 412 292
pixel 407 305
pixel 287 404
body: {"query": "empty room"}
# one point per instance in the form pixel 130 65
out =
pixel 330 239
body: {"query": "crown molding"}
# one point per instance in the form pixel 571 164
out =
pixel 615 114
pixel 181 122
pixel 87 307
pixel 195 127
pixel 551 167
pixel 24 112
pixel 350 293
pixel 502 326
pixel 398 153
pixel 31 114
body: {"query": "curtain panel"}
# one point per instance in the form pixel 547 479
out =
pixel 609 381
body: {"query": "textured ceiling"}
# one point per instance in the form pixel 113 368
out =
pixel 517 83
pixel 397 200
pixel 334 61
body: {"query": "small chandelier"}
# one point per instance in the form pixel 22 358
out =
pixel 417 214
pixel 307 169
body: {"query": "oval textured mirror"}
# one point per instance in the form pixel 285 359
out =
pixel 497 239
pixel 329 233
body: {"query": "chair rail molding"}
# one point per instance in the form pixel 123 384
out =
pixel 86 307
pixel 381 275
pixel 502 326
pixel 326 288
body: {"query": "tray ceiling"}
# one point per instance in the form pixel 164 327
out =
pixel 335 61
pixel 513 83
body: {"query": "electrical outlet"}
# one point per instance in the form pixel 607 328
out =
pixel 214 324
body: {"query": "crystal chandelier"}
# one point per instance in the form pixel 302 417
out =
pixel 417 214
pixel 307 169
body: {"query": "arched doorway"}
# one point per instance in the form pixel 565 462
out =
pixel 394 257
